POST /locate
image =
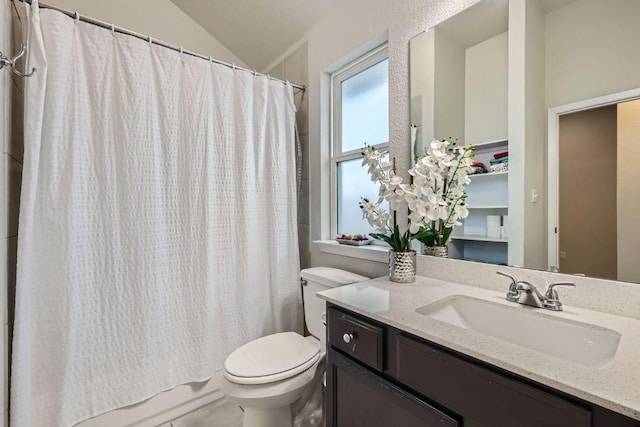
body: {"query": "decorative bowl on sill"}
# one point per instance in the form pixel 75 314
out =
pixel 353 240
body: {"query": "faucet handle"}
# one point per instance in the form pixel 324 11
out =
pixel 551 292
pixel 551 296
pixel 502 273
pixel 513 293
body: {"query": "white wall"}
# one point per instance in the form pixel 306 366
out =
pixel 160 19
pixel 354 28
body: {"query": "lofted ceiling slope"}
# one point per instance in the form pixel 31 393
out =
pixel 257 31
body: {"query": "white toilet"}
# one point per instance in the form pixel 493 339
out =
pixel 267 375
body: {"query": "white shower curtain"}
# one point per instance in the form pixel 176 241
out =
pixel 157 225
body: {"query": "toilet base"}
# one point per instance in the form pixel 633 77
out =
pixel 272 417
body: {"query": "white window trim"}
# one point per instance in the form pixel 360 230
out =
pixel 373 57
pixel 372 252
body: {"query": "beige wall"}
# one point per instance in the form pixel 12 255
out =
pixel 437 87
pixel 592 50
pixel 422 75
pixel 588 192
pixel 160 19
pixel 526 134
pixel 534 244
pixel 486 90
pixel 628 191
pixel 448 89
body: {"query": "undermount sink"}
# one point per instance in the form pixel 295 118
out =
pixel 576 342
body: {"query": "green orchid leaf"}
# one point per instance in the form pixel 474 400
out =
pixel 428 237
pixel 422 233
pixel 382 237
pixel 446 234
pixel 407 241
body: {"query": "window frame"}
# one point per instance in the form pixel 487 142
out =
pixel 373 57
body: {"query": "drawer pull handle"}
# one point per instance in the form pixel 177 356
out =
pixel 348 338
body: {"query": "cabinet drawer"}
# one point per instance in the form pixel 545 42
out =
pixel 359 339
pixel 482 396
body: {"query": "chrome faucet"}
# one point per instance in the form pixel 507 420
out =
pixel 525 293
pixel 513 294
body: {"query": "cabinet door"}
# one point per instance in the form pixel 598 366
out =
pixel 481 396
pixel 358 397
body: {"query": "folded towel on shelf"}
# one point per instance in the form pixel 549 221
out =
pixel 501 155
pixel 478 168
pixel 499 167
pixel 496 161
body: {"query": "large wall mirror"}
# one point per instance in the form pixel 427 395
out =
pixel 548 92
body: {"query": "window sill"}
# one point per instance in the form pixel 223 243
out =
pixel 372 252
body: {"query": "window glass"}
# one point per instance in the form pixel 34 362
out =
pixel 365 107
pixel 360 114
pixel 353 183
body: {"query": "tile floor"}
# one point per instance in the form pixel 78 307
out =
pixel 222 413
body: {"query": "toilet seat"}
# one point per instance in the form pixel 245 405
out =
pixel 272 358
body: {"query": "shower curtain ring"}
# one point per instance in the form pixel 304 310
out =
pixel 233 65
pixel 255 73
pixel 210 59
pixel 77 17
pixel 149 39
pixel 113 29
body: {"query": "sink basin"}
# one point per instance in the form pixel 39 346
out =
pixel 576 342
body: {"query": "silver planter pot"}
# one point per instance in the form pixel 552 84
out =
pixel 437 251
pixel 402 266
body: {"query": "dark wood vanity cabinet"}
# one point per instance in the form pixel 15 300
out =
pixel 362 398
pixel 357 395
pixel 380 376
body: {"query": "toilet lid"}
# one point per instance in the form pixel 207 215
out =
pixel 271 358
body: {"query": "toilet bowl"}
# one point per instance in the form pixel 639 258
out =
pixel 267 375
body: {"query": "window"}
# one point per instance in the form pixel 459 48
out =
pixel 360 114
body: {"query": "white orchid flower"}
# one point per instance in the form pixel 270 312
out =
pixel 461 211
pixel 436 193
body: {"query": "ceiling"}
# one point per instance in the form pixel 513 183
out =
pixel 257 31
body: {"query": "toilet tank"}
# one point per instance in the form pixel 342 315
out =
pixel 319 279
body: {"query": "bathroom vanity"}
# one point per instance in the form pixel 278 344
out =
pixel 397 357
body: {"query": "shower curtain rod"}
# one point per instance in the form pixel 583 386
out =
pixel 148 38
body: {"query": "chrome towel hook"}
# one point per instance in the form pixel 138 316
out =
pixel 11 62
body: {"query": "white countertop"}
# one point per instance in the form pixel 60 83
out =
pixel 615 386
